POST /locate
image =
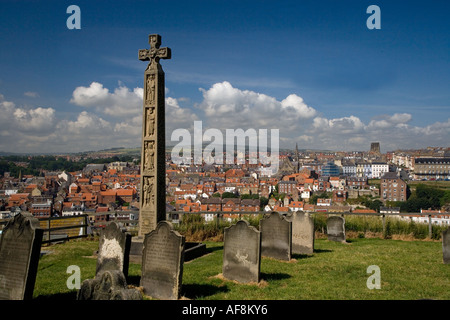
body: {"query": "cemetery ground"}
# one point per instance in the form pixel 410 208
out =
pixel 409 270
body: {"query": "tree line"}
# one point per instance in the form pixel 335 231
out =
pixel 37 164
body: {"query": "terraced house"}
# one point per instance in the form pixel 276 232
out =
pixel 432 168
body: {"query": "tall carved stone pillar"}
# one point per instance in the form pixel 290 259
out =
pixel 153 173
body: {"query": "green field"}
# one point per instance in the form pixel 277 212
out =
pixel 436 184
pixel 409 270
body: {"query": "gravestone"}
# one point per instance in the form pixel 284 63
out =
pixel 153 167
pixel 336 228
pixel 302 232
pixel 113 249
pixel 107 285
pixel 276 235
pixel 446 245
pixel 242 253
pixel 20 247
pixel 162 262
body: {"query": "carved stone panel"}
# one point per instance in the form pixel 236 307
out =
pixel 150 122
pixel 150 92
pixel 149 156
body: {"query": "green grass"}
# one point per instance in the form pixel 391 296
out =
pixel 436 184
pixel 409 270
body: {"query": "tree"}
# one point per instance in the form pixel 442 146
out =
pixel 229 195
pixel 323 195
pixel 433 195
pixel 375 205
pixel 263 201
pixel 424 197
pixel 445 199
pixel 249 196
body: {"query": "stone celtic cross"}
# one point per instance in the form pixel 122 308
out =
pixel 155 53
pixel 153 172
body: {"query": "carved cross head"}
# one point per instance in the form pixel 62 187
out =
pixel 155 52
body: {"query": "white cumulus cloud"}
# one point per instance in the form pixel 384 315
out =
pixel 122 101
pixel 344 125
pixel 387 121
pixel 228 107
pixel 295 106
pixel 38 120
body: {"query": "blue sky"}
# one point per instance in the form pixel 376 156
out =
pixel 309 68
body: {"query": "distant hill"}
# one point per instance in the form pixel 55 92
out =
pixel 116 150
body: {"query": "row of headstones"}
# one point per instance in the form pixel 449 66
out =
pixel 278 237
pixel 163 255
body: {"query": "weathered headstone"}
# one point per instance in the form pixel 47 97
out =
pixel 153 170
pixel 20 247
pixel 242 253
pixel 336 228
pixel 108 285
pixel 113 249
pixel 302 232
pixel 276 234
pixel 446 245
pixel 162 262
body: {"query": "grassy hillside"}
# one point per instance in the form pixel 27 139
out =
pixel 409 270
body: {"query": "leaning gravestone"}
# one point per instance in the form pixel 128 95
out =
pixel 107 285
pixel 20 247
pixel 162 262
pixel 242 253
pixel 302 233
pixel 114 249
pixel 446 245
pixel 336 228
pixel 276 234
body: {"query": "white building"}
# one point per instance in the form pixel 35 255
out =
pixel 209 216
pixel 117 165
pixel 9 192
pixel 349 169
pixel 306 194
pixel 378 169
pixel 437 217
pixel 73 210
pixel 324 202
pixel 64 176
pixel 441 220
pixel 404 160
